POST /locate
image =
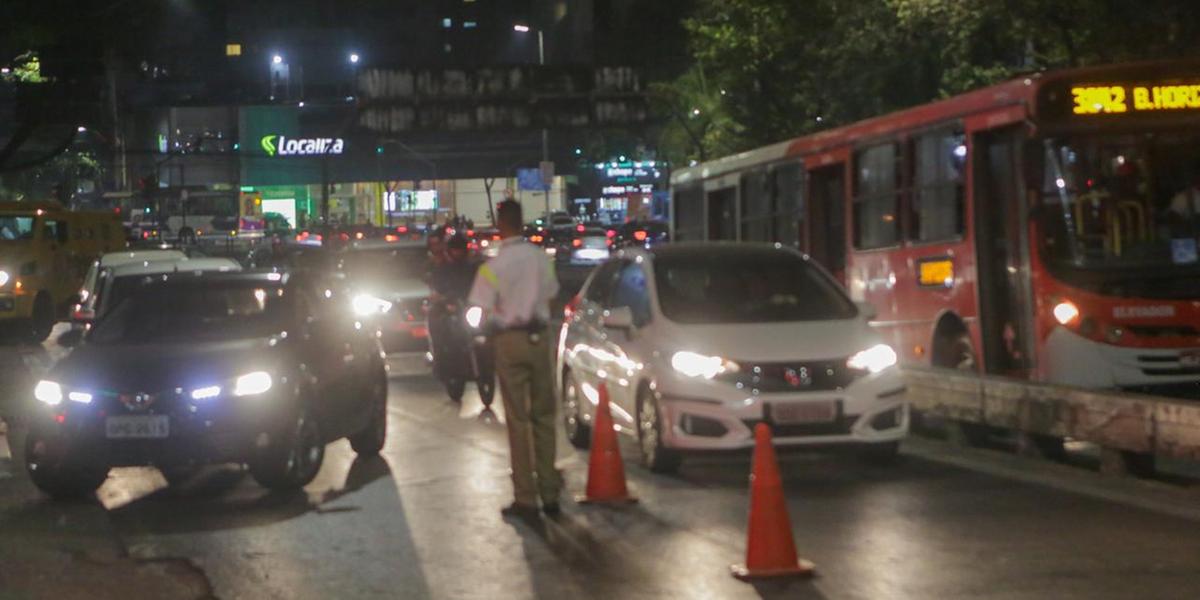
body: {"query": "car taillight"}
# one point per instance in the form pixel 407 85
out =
pixel 391 238
pixel 609 242
pixel 470 233
pixel 579 228
pixel 611 233
pixel 639 235
pixel 577 243
pixel 402 229
pixel 571 307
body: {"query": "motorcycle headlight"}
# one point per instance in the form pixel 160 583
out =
pixel 252 384
pixel 474 316
pixel 4 277
pixel 365 305
pixel 49 392
pixel 873 359
pixel 693 364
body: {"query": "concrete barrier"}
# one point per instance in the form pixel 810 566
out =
pixel 1130 424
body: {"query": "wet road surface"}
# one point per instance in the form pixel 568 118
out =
pixel 422 521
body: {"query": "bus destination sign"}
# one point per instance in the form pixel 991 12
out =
pixel 1118 99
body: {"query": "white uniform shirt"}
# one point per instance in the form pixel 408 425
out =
pixel 515 287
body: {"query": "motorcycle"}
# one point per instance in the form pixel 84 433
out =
pixel 460 354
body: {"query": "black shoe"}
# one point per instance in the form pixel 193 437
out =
pixel 551 509
pixel 518 510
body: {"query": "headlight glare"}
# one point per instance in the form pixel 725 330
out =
pixel 211 391
pixel 873 359
pixel 251 384
pixel 48 392
pixel 4 277
pixel 365 305
pixel 80 397
pixel 474 316
pixel 693 364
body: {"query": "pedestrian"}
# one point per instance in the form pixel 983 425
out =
pixel 511 299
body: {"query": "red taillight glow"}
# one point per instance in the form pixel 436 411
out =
pixel 639 235
pixel 572 306
pixel 470 233
pixel 537 239
pixel 609 242
pixel 579 228
pixel 402 229
pixel 391 238
pixel 577 243
pixel 611 233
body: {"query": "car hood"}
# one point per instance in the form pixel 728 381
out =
pixel 158 367
pixel 774 342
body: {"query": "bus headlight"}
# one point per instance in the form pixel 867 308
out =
pixel 873 359
pixel 1066 312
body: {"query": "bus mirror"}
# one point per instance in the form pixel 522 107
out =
pixel 866 310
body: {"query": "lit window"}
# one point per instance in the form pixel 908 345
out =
pixel 469 24
pixel 233 49
pixel 447 22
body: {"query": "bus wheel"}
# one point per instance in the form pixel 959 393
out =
pixel 43 319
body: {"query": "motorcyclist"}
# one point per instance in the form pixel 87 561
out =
pixel 456 358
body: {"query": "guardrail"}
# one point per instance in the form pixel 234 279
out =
pixel 1131 429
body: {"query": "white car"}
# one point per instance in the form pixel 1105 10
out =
pixel 698 343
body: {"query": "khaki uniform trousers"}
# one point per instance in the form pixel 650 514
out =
pixel 526 385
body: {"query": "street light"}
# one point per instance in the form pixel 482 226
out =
pixel 277 59
pixel 541 46
pixel 353 58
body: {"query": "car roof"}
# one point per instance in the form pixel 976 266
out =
pixel 116 259
pixel 158 267
pixel 384 245
pixel 212 278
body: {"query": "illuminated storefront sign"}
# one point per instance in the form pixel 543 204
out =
pixel 278 145
pixel 1117 99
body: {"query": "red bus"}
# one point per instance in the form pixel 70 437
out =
pixel 1044 228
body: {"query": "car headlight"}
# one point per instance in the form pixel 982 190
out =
pixel 873 359
pixel 693 364
pixel 474 316
pixel 251 384
pixel 365 305
pixel 49 392
pixel 4 277
pixel 211 391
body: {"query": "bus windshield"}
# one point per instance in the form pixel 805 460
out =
pixel 1124 205
pixel 15 228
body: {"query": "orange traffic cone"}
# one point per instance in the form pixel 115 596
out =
pixel 606 471
pixel 770 550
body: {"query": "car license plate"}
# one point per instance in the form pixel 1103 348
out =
pixel 138 427
pixel 804 412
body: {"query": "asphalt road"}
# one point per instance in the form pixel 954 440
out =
pixel 423 522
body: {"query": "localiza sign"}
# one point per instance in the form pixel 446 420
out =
pixel 279 145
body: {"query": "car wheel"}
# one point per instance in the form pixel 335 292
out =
pixel 883 454
pixel 655 456
pixel 455 388
pixel 56 475
pixel 42 322
pixel 578 432
pixel 292 462
pixel 370 440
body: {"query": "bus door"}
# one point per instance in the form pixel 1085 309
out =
pixel 1002 252
pixel 827 218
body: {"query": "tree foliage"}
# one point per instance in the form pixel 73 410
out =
pixel 766 70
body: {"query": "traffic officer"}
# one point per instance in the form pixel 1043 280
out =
pixel 511 299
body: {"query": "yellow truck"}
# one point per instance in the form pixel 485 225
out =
pixel 45 251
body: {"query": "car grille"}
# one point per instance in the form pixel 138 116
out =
pixel 839 426
pixel 814 376
pixel 1166 365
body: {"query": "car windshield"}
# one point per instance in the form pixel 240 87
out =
pixel 213 311
pixel 15 228
pixel 385 264
pixel 752 287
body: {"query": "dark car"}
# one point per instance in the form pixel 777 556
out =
pixel 645 234
pixel 388 290
pixel 262 369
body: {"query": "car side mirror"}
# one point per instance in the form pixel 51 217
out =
pixel 866 310
pixel 71 338
pixel 620 317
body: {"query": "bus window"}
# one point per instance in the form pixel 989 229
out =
pixel 875 197
pixel 722 219
pixel 688 206
pixel 756 207
pixel 937 205
pixel 789 203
